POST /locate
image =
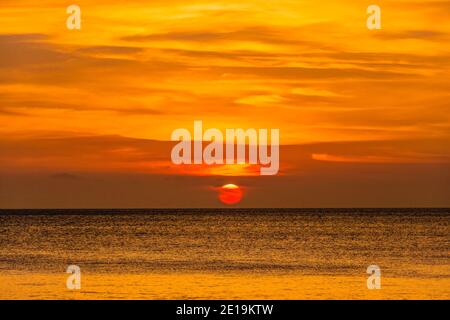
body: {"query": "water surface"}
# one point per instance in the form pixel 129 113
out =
pixel 225 254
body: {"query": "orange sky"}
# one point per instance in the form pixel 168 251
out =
pixel 361 113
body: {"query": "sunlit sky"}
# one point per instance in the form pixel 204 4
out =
pixel 86 115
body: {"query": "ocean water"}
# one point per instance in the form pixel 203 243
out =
pixel 225 254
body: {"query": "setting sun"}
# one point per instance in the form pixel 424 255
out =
pixel 230 194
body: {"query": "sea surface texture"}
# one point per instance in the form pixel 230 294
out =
pixel 225 254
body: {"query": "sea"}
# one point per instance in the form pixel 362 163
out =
pixel 225 253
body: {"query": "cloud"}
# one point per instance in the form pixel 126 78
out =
pixel 65 176
pixel 312 73
pixel 255 34
pixel 121 154
pixel 427 35
pixel 20 50
pixel 106 50
pixel 17 106
pixel 22 37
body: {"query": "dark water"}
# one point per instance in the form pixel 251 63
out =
pixel 406 243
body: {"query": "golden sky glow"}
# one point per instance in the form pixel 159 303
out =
pixel 105 99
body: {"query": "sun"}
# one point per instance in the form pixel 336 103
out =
pixel 230 194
